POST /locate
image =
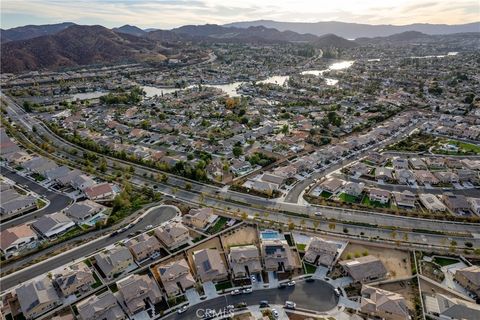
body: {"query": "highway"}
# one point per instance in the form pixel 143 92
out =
pixel 154 217
pixel 316 296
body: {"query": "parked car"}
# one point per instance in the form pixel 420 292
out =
pixel 235 292
pixel 275 313
pixel 241 305
pixel 282 286
pixel 264 304
pixel 290 305
pixel 291 283
pixel 247 290
pixel 182 309
pixel 253 278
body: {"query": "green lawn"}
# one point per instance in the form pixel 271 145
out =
pixel 97 283
pixel 309 268
pixel 301 246
pixel 348 198
pixel 325 194
pixel 366 201
pixel 444 261
pixel 223 285
pixel 218 226
pixel 466 147
pixel 41 203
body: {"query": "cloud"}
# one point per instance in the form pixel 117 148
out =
pixel 172 13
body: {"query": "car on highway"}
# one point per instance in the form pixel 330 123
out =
pixel 291 283
pixel 182 309
pixel 275 313
pixel 247 290
pixel 235 292
pixel 290 305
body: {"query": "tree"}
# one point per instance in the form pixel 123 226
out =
pixel 244 216
pixel 291 226
pixel 285 129
pixel 331 226
pixel 188 186
pixel 316 223
pixel 237 151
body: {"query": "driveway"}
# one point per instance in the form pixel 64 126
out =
pixel 317 295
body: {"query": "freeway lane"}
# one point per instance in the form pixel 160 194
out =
pixel 154 217
pixel 317 296
pixel 370 217
pixel 58 201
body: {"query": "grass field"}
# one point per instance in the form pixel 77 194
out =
pixel 366 201
pixel 218 226
pixel 444 261
pixel 348 198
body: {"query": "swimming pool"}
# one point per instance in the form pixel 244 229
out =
pixel 269 235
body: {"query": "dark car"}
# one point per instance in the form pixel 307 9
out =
pixel 282 286
pixel 264 304
pixel 310 280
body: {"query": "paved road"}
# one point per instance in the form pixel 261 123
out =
pixel 474 192
pixel 317 295
pixel 154 217
pixel 294 194
pixel 58 201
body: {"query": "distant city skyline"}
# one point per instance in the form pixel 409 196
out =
pixel 167 14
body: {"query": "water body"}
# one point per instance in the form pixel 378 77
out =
pixel 228 88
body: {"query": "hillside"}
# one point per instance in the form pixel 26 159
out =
pixel 32 31
pixel 131 30
pixel 75 46
pixel 356 30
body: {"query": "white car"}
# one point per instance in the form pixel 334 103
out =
pixel 290 305
pixel 182 309
pixel 253 278
pixel 247 290
pixel 291 283
pixel 149 227
pixel 235 292
pixel 275 313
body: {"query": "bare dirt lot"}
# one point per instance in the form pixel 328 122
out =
pixel 244 235
pixel 397 262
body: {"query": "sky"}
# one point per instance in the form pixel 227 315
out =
pixel 166 14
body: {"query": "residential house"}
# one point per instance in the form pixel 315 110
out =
pixel 365 269
pixel 274 179
pixel 99 191
pixel 176 277
pixel 136 289
pixel 200 218
pixel 405 199
pixel 436 163
pixel 77 278
pixel 384 174
pixel 359 169
pixel 400 164
pixel 81 182
pixel 467 175
pixel 244 260
pixel 431 202
pixel 83 211
pixel 331 185
pixel 446 176
pixel 114 261
pixel 14 203
pixel 143 246
pixel 375 158
pixel 456 202
pixel 425 177
pixel 37 297
pixel 210 265
pixel 173 235
pixel 469 278
pixel 278 256
pixel 404 176
pixel 16 238
pixel 383 304
pixel 320 252
pixel 417 164
pixel 448 308
pixel 52 225
pixel 102 306
pixel 353 188
pixel 379 195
